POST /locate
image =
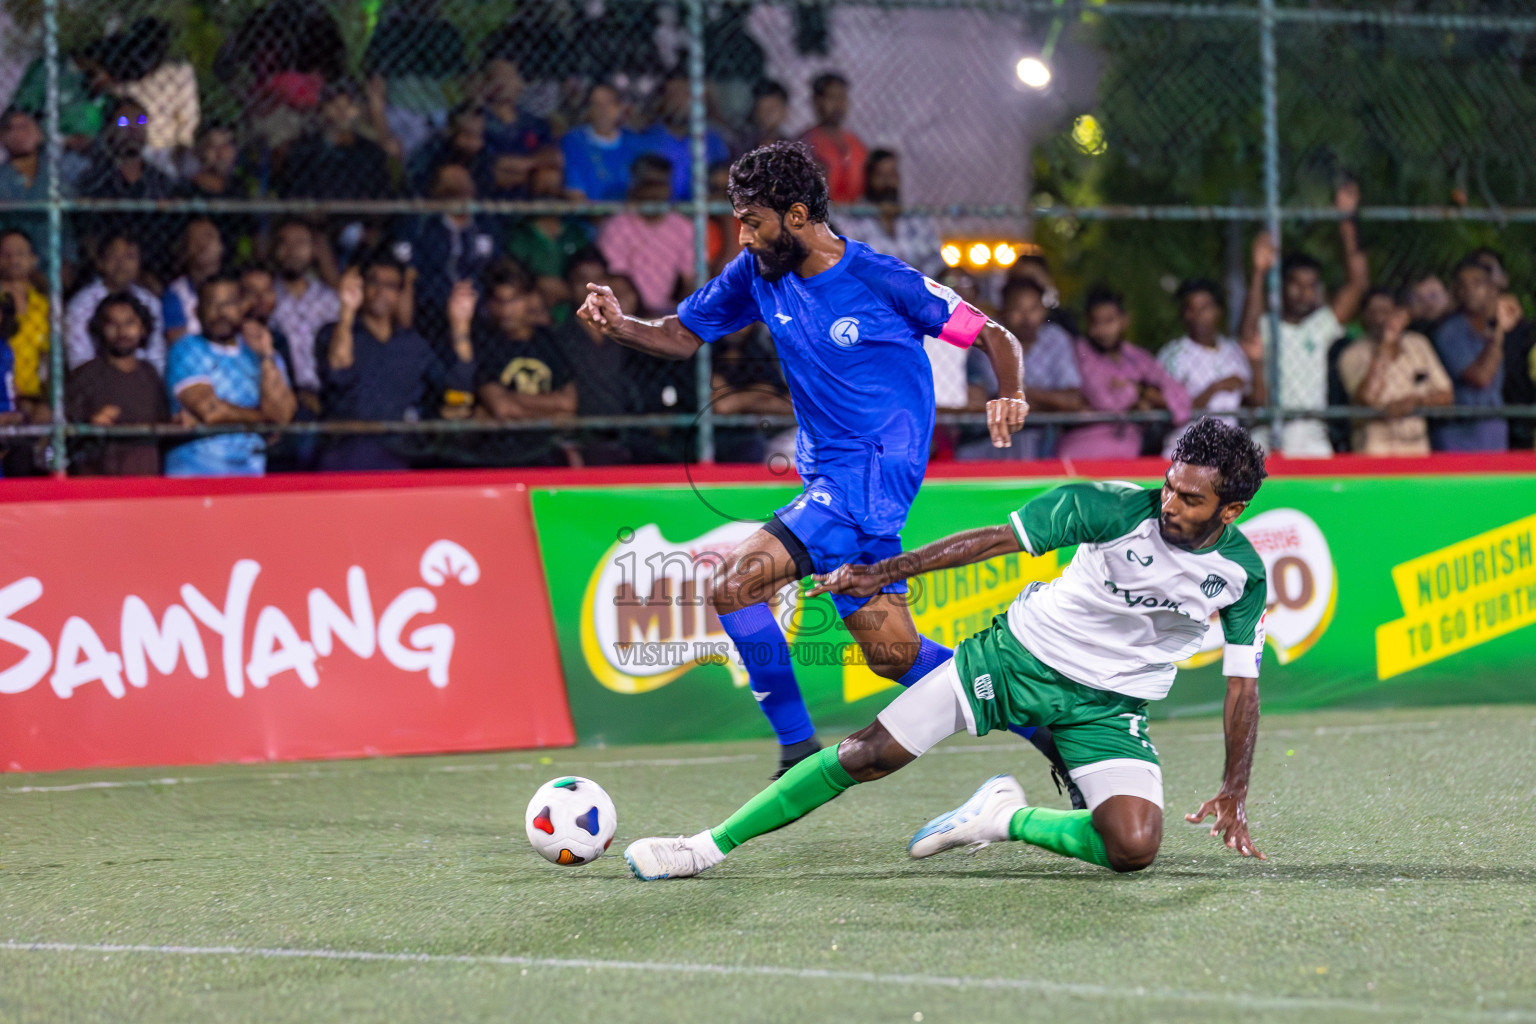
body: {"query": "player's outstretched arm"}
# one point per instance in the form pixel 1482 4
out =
pixel 957 549
pixel 666 338
pixel 1006 412
pixel 1240 720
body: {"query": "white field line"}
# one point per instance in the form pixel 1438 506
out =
pixel 1235 1000
pixel 660 762
pixel 672 762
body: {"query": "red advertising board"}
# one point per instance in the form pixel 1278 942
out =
pixel 238 627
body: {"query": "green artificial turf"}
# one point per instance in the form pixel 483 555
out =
pixel 1400 885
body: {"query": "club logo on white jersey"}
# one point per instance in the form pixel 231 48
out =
pixel 1131 556
pixel 983 686
pixel 1213 585
pixel 781 318
pixel 845 331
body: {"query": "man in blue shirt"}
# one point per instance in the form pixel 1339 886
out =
pixel 1471 347
pixel 849 325
pixel 228 374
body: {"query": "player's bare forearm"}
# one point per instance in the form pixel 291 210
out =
pixel 1006 356
pixel 964 548
pixel 666 338
pixel 1240 721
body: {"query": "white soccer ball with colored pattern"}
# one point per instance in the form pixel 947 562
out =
pixel 571 821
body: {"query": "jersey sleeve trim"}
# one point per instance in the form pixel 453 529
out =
pixel 1019 532
pixel 1243 660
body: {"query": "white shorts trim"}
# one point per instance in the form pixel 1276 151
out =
pixel 931 709
pixel 1119 776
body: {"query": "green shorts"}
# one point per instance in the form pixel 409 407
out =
pixel 1004 685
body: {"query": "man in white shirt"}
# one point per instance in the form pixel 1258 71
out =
pixel 911 238
pixel 1308 326
pixel 118 271
pixel 1219 374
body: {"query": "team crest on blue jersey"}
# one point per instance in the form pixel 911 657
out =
pixel 1213 585
pixel 845 331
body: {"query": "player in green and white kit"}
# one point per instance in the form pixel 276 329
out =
pixel 1083 654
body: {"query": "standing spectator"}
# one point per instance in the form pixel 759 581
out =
pixel 461 142
pixel 1308 326
pixel 410 59
pixel 337 161
pixel 546 244
pixel 377 369
pixel 279 60
pixel 117 388
pixel 201 257
pixel 1429 303
pixel 29 342
pixel 24 176
pixel 1218 373
pixel 911 238
pixel 1471 347
pixel 655 250
pixel 509 129
pixel 137 60
pixel 118 266
pixel 1117 377
pixel 840 152
pixel 304 303
pixel 445 248
pixel 600 150
pixel 118 170
pixel 83 100
pixel 670 138
pixel 9 413
pixel 216 178
pixel 1393 369
pixel 228 374
pixel 1050 363
pixel 770 109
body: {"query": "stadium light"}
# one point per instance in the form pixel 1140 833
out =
pixel 951 255
pixel 1033 72
pixel 1005 254
pixel 980 253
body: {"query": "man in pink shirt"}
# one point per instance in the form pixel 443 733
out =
pixel 1117 377
pixel 654 250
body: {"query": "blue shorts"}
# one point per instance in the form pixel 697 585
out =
pixel 820 536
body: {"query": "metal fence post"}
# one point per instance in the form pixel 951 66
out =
pixel 59 454
pixel 1272 212
pixel 696 128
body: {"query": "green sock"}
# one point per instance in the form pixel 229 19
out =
pixel 1069 833
pixel 800 791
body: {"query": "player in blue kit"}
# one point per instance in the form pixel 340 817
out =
pixel 849 325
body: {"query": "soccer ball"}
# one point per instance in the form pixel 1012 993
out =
pixel 571 820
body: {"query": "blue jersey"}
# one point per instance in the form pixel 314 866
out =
pixel 234 373
pixel 850 340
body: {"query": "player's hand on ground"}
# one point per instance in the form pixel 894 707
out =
pixel 1004 418
pixel 600 309
pixel 853 580
pixel 1231 823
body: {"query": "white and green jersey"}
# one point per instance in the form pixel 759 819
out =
pixel 1130 605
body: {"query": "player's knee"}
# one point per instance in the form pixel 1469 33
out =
pixel 871 753
pixel 1133 848
pixel 725 591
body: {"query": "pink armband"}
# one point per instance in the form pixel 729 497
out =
pixel 965 323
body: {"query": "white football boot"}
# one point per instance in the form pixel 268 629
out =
pixel 654 859
pixel 981 820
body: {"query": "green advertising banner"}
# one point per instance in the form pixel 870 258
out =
pixel 1382 591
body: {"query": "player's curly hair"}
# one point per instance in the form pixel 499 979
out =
pixel 778 176
pixel 1230 451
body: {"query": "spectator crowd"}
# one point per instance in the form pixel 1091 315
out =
pixel 352 315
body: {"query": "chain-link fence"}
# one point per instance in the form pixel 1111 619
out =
pixel 226 163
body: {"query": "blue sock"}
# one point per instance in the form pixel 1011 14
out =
pixel 765 652
pixel 929 657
